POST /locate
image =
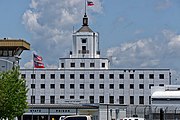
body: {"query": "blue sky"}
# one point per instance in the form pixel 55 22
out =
pixel 133 33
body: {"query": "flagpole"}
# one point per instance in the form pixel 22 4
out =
pixel 32 88
pixel 85 6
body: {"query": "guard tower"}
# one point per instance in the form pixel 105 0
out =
pixel 10 51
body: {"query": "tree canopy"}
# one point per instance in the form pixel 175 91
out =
pixel 13 97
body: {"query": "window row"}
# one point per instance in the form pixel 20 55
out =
pixel 92 76
pixel 91 86
pixel 82 65
pixel 91 99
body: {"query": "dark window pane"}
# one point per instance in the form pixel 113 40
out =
pixel 81 86
pixel 101 86
pixel 91 86
pixel 161 76
pixel 131 76
pixel 151 76
pixel 121 76
pixel 141 86
pixel 33 76
pixel 121 99
pixel 32 85
pixel 71 86
pixel 111 86
pixel 72 64
pixel 52 76
pixel 42 76
pixel 81 76
pixel 131 99
pixel 91 76
pixel 42 86
pixel 52 99
pixel 141 76
pixel 111 76
pixel 62 76
pixel 131 86
pixel 121 86
pixel 62 86
pixel 101 76
pixel 52 86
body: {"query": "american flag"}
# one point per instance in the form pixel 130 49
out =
pixel 90 3
pixel 38 61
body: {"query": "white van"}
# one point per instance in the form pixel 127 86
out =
pixel 78 117
pixel 133 118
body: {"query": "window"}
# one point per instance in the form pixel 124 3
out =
pixel 149 99
pixel 92 65
pixel 91 76
pixel 101 76
pixel 111 76
pixel 82 64
pixel 91 86
pixel 141 76
pixel 131 76
pixel 131 99
pixel 81 76
pixel 161 84
pixel 42 76
pixel 141 99
pixel 121 99
pixel 23 76
pixel 101 86
pixel 42 98
pixel 62 76
pixel 61 97
pixel 52 99
pixel 42 86
pixel 83 40
pixel 150 85
pixel 32 99
pixel 161 76
pixel 131 86
pixel 52 86
pixel 91 99
pixel 141 86
pixel 52 76
pixel 71 86
pixel 62 86
pixel 101 99
pixel 111 99
pixel 72 64
pixel 103 65
pixel 81 97
pixel 81 86
pixel 111 86
pixel 71 76
pixel 32 85
pixel 151 76
pixel 71 97
pixel 83 48
pixel 62 65
pixel 121 86
pixel 121 76
pixel 33 76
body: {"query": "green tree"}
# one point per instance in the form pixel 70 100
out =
pixel 13 97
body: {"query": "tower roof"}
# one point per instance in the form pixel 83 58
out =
pixel 85 27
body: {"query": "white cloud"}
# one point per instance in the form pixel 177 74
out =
pixel 164 4
pixel 152 52
pixel 51 21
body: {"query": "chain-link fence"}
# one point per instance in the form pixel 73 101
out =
pixel 153 112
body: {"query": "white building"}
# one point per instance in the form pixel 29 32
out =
pixel 85 78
